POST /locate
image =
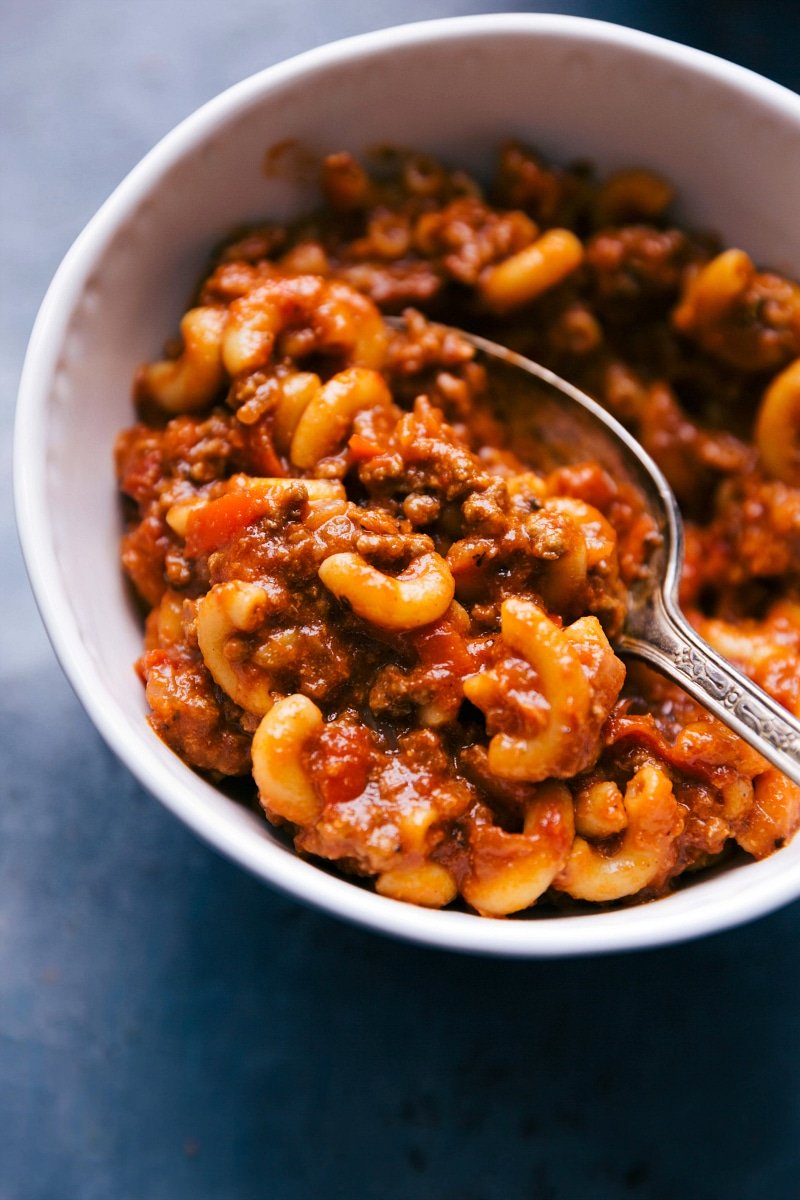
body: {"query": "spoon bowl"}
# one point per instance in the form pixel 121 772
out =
pixel 568 426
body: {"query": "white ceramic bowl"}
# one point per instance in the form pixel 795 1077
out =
pixel 573 88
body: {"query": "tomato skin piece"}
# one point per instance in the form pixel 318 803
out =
pixel 441 645
pixel 219 521
pixel 340 762
pixel 362 448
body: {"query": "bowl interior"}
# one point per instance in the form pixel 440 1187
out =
pixel 572 88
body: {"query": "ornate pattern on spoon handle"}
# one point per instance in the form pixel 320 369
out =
pixel 661 636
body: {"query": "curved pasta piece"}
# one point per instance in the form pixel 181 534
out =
pixel 297 392
pixel 580 678
pixel 713 290
pixel 526 490
pixel 261 485
pixel 777 429
pixel 600 810
pixel 430 885
pixel 320 315
pixel 225 612
pixel 564 578
pixel 632 194
pixel 598 534
pixel 530 272
pixel 326 419
pixel 164 624
pixel 192 380
pixel 510 871
pixel 647 849
pixel 417 596
pixel 178 516
pixel 591 546
pixel 774 816
pixel 284 788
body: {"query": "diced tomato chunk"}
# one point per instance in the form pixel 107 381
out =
pixel 443 646
pixel 340 761
pixel 219 521
pixel 362 448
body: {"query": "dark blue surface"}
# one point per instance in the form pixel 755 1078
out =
pixel 171 1028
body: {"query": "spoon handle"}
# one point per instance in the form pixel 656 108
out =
pixel 675 650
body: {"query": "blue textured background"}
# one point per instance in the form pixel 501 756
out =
pixel 171 1028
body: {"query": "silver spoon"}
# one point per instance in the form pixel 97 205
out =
pixel 572 428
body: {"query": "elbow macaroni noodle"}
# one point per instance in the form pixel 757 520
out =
pixel 532 271
pixel 777 430
pixel 510 871
pixel 417 596
pixel 369 590
pixel 573 666
pixel 192 380
pixel 309 313
pixel 646 850
pixel 328 416
pixel 224 614
pixel 282 781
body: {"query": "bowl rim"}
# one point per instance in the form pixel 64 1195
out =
pixel 158 769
